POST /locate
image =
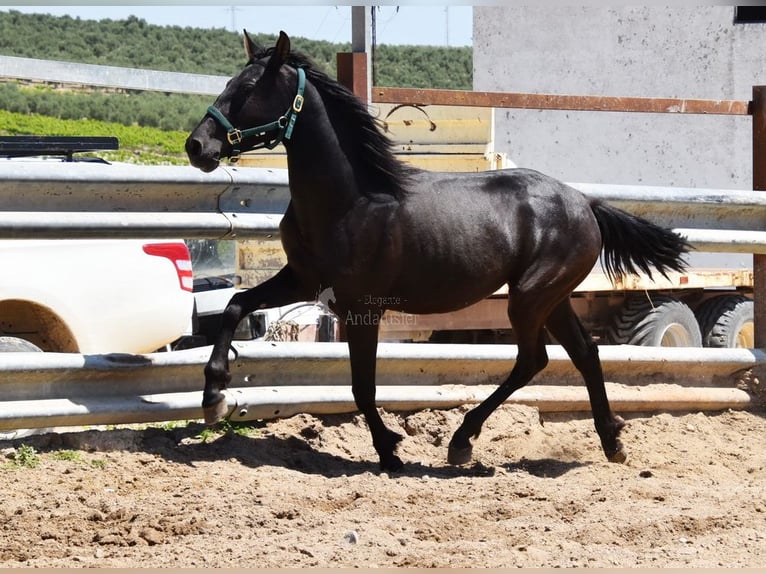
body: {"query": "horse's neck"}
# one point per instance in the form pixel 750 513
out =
pixel 323 183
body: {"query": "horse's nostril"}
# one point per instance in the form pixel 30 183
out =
pixel 193 147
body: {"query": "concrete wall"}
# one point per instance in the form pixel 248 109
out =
pixel 690 52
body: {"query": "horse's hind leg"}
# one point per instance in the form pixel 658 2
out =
pixel 564 325
pixel 526 321
pixel 362 348
pixel 282 289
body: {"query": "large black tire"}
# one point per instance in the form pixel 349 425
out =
pixel 16 345
pixel 659 321
pixel 727 321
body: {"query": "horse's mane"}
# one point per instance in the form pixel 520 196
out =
pixel 390 175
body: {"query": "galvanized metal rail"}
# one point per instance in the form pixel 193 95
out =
pixel 272 380
pixel 55 200
pixel 82 200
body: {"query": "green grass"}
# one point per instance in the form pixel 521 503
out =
pixel 68 455
pixel 245 429
pixel 140 145
pixel 25 457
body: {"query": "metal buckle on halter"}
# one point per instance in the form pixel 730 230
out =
pixel 298 103
pixel 234 136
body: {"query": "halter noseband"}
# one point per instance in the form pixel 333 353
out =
pixel 283 126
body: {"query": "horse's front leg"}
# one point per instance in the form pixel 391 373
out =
pixel 282 289
pixel 362 333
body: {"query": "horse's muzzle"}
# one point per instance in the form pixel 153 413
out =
pixel 205 160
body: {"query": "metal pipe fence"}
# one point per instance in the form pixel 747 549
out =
pixel 52 200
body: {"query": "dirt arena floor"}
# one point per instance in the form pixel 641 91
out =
pixel 306 491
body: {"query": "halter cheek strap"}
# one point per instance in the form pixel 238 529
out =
pixel 283 126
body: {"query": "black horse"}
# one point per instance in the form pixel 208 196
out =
pixel 383 235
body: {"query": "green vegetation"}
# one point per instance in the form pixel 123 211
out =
pixel 153 109
pixel 137 44
pixel 224 427
pixel 25 456
pixel 140 145
pixel 68 455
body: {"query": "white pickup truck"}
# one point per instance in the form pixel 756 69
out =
pixel 94 296
pixel 98 295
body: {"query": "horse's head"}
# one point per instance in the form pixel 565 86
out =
pixel 257 108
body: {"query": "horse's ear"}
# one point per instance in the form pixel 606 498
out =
pixel 251 48
pixel 281 52
pixel 283 46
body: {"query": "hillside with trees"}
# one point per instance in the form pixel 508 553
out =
pixel 135 43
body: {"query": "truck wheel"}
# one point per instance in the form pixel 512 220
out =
pixel 727 321
pixel 656 321
pixel 16 345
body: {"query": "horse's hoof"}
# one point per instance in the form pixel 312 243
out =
pixel 392 464
pixel 618 456
pixel 459 454
pixel 215 412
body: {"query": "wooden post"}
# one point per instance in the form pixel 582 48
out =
pixel 352 73
pixel 354 67
pixel 759 183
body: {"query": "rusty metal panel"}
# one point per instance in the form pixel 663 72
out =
pixel 456 162
pixel 691 279
pixel 407 123
pixel 423 97
pixel 274 159
pixel 258 260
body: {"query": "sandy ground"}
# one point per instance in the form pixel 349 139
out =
pixel 306 491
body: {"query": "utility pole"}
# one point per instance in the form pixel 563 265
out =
pixel 446 26
pixel 233 10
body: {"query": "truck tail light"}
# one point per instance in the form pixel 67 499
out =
pixel 179 256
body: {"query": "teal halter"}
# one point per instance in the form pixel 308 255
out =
pixel 283 126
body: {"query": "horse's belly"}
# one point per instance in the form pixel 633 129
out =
pixel 445 295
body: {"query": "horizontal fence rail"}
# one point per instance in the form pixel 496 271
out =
pixel 51 199
pixel 425 97
pixel 55 200
pixel 272 380
pixel 52 71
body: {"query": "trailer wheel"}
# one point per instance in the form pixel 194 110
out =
pixel 727 321
pixel 655 321
pixel 16 345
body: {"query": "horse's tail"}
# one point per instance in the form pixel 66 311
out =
pixel 632 244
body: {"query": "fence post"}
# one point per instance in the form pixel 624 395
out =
pixel 354 67
pixel 759 183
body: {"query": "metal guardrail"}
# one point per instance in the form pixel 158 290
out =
pixel 50 199
pixel 280 379
pixel 52 71
pixel 56 200
pixel 84 200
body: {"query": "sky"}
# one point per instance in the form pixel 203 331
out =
pixel 417 25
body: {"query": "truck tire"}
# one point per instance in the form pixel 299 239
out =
pixel 16 345
pixel 727 321
pixel 655 321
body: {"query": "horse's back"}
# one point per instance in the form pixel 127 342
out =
pixel 521 202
